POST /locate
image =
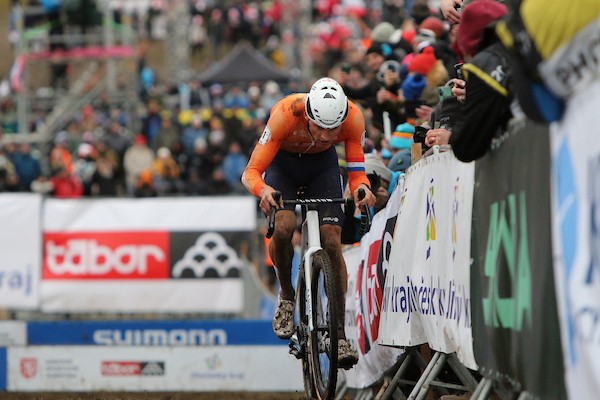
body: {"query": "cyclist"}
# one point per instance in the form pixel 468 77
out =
pixel 296 149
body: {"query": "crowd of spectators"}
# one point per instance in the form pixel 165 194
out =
pixel 393 66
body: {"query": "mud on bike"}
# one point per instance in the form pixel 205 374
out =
pixel 315 341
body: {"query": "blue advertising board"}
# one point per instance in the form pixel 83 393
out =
pixel 3 368
pixel 152 333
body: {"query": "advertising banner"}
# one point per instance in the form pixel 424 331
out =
pixel 426 298
pixel 20 243
pixel 367 265
pixel 576 239
pixel 146 255
pixel 515 324
pixel 141 368
pixel 151 333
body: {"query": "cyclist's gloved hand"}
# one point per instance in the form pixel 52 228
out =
pixel 267 201
pixel 368 200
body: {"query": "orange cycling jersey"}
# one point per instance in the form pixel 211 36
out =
pixel 287 129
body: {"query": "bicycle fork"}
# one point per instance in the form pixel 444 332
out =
pixel 313 243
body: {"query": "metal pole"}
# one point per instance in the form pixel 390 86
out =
pixel 109 41
pixel 21 47
pixel 177 43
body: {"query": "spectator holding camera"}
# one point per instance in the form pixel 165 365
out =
pixel 487 96
pixel 375 95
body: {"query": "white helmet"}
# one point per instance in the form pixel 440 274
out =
pixel 326 104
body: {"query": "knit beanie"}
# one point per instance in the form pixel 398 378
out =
pixel 435 25
pixel 383 49
pixel 423 62
pixel 402 136
pixel 473 21
pixel 382 32
pixel 374 165
pixel 413 85
pixel 400 161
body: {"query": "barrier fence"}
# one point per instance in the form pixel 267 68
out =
pixel 460 261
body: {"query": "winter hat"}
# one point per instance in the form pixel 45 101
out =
pixel 382 32
pixel 435 25
pixel 374 165
pixel 402 136
pixel 422 63
pixel 424 35
pixel 385 154
pixel 383 49
pixel 473 21
pixel 140 139
pixel 400 161
pixel 413 86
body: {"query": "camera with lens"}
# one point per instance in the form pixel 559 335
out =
pixel 420 135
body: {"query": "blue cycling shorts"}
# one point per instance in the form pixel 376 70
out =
pixel 319 175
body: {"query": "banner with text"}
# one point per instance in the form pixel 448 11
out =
pixel 576 240
pixel 367 266
pixel 426 297
pixel 146 255
pixel 515 321
pixel 150 333
pixel 20 242
pixel 146 369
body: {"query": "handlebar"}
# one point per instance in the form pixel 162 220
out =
pixel 277 197
pixel 271 219
pixel 365 216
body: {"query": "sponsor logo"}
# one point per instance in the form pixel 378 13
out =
pixel 106 255
pixel 17 279
pixel 573 67
pixel 209 257
pixel 28 367
pixel 266 136
pixel 132 368
pixel 160 337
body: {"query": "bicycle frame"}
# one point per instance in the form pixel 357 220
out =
pixel 311 238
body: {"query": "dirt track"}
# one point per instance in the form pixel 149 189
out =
pixel 152 396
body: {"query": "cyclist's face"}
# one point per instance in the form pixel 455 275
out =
pixel 324 136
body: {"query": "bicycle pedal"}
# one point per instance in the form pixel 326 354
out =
pixel 295 348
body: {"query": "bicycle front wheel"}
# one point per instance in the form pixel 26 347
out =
pixel 323 342
pixel 303 335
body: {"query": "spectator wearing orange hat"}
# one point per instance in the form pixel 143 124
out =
pixel 426 64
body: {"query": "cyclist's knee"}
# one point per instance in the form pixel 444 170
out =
pixel 285 225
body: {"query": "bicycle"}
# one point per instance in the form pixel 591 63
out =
pixel 315 341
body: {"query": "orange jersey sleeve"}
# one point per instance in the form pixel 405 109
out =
pixel 353 134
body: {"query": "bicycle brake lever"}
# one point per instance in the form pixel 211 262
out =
pixel 365 216
pixel 271 219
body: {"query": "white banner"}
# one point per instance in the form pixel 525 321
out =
pixel 427 289
pixel 367 266
pixel 205 368
pixel 146 255
pixel 576 239
pixel 20 243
